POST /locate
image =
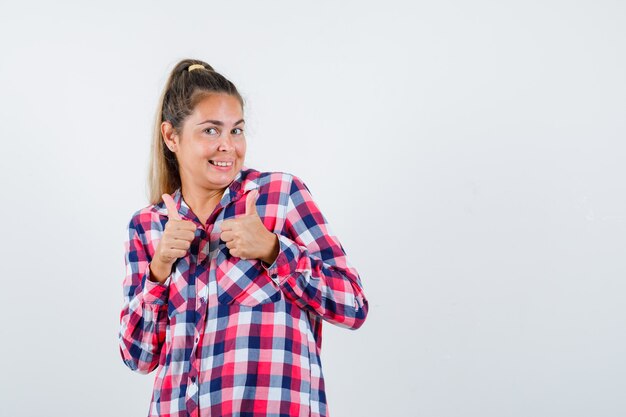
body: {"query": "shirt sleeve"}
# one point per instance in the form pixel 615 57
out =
pixel 143 319
pixel 312 267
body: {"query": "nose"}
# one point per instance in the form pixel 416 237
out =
pixel 225 143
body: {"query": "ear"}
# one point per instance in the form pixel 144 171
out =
pixel 170 137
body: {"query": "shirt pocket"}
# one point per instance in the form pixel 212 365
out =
pixel 243 281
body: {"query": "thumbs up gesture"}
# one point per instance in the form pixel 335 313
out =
pixel 246 236
pixel 175 241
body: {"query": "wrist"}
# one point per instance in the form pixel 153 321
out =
pixel 159 271
pixel 273 249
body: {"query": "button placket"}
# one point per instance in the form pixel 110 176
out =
pixel 202 244
pixel 193 386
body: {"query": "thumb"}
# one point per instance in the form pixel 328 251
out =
pixel 251 202
pixel 172 212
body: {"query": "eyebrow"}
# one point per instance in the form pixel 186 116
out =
pixel 219 123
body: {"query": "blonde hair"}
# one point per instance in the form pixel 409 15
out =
pixel 182 91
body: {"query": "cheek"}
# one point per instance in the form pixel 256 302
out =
pixel 241 149
pixel 208 149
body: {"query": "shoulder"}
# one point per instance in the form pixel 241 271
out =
pixel 262 178
pixel 148 218
pixel 268 181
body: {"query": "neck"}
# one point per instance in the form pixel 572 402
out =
pixel 201 200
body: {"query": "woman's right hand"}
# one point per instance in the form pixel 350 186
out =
pixel 175 241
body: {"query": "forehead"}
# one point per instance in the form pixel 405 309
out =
pixel 223 107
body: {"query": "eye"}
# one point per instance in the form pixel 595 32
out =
pixel 240 130
pixel 208 129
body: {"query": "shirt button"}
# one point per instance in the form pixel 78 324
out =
pixel 193 379
pixel 197 340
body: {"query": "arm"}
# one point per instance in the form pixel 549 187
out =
pixel 143 319
pixel 312 267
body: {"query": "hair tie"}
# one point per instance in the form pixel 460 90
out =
pixel 195 66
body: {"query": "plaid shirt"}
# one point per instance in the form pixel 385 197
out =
pixel 235 337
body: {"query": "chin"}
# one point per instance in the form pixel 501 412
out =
pixel 223 179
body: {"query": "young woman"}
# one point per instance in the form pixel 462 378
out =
pixel 229 271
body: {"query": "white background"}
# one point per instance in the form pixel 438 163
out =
pixel 469 155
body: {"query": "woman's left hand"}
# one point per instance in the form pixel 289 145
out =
pixel 247 237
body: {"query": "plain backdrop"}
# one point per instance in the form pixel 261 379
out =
pixel 470 155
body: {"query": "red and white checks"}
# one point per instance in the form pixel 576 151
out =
pixel 234 337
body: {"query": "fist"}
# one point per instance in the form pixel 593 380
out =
pixel 177 236
pixel 247 237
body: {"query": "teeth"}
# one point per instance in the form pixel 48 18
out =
pixel 221 164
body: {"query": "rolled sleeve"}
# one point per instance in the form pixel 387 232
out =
pixel 286 262
pixel 155 292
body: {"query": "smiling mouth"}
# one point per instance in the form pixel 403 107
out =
pixel 220 164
